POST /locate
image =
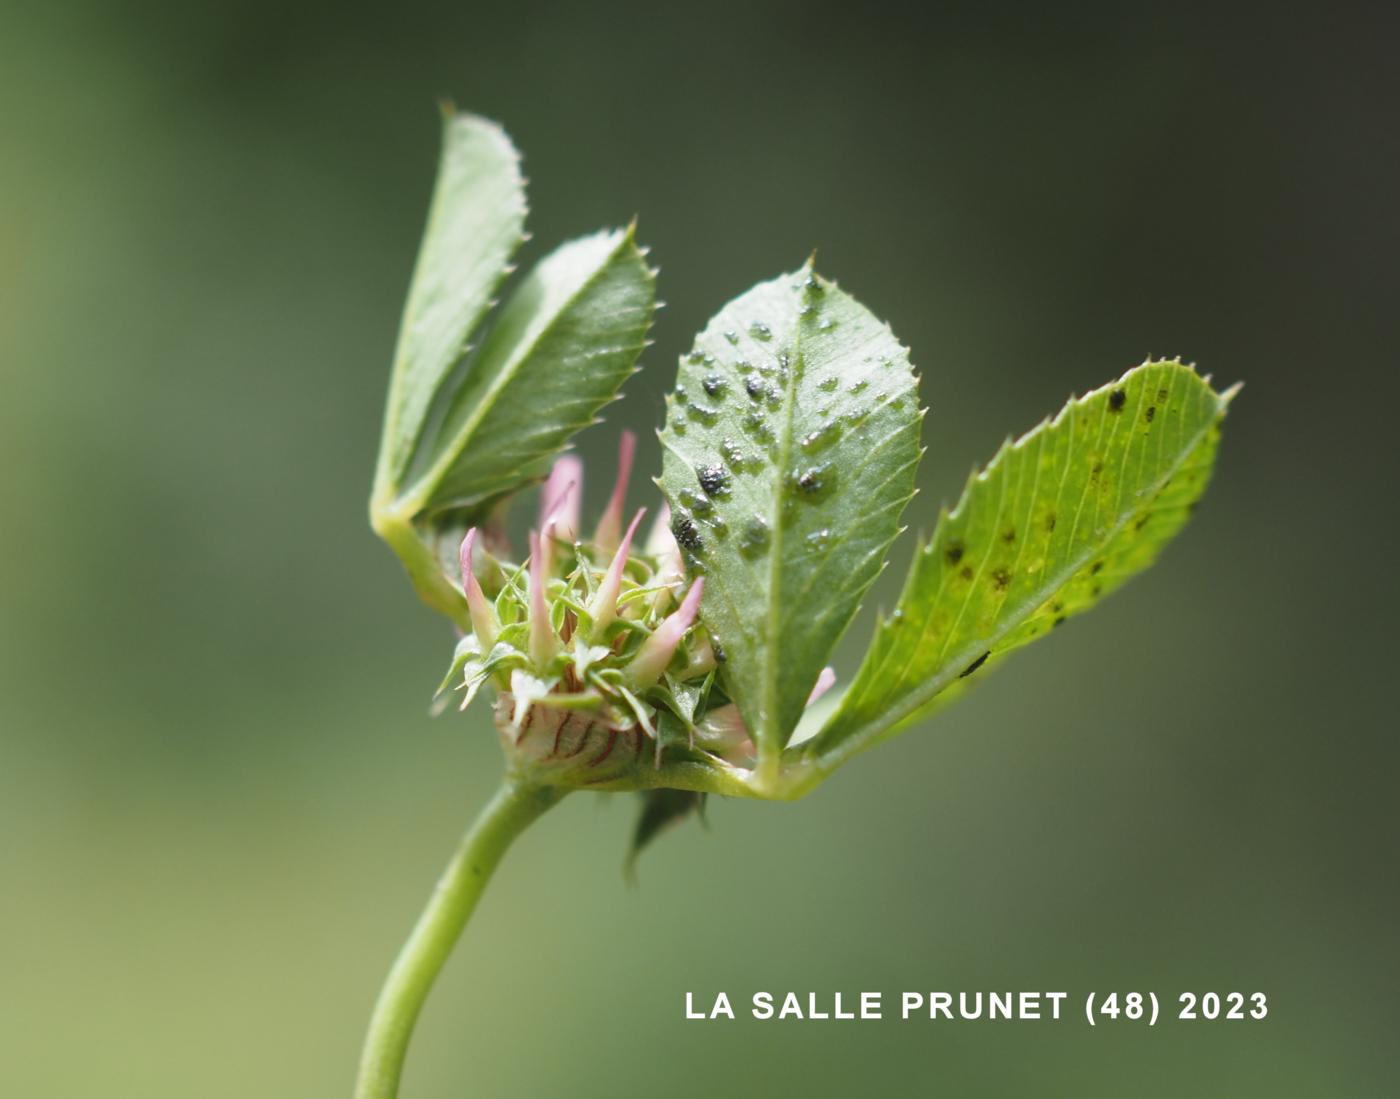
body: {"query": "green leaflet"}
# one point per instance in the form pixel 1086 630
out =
pixel 565 342
pixel 790 450
pixel 1060 518
pixel 475 223
pixel 559 349
pixel 660 809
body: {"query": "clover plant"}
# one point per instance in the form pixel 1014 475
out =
pixel 681 660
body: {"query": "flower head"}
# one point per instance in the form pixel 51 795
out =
pixel 594 649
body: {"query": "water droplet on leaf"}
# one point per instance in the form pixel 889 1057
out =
pixel 755 537
pixel 814 482
pixel 822 437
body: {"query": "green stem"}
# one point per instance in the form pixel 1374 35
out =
pixel 509 813
pixel 423 569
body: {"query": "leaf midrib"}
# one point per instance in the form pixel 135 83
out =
pixel 773 623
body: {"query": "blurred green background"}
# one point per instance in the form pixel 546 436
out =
pixel 221 800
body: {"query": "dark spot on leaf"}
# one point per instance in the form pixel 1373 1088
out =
pixel 966 573
pixel 1001 578
pixel 1116 399
pixel 1060 621
pixel 954 553
pixel 1095 568
pixel 1161 396
pixel 714 479
pixel 683 527
pixel 1008 535
pixel 1142 521
pixel 974 665
pixel 1050 521
pixel 1151 412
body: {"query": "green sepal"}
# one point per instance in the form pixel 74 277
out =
pixel 660 810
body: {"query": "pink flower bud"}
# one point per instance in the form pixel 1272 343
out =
pixel 661 544
pixel 560 504
pixel 656 651
pixel 483 616
pixel 610 525
pixel 660 541
pixel 824 683
pixel 543 643
pixel 561 498
pixel 603 609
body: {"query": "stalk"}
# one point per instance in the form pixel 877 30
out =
pixel 515 807
pixel 423 569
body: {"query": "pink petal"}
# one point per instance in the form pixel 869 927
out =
pixel 661 544
pixel 482 615
pixel 604 607
pixel 543 643
pixel 660 541
pixel 611 522
pixel 561 498
pixel 657 650
pixel 823 684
